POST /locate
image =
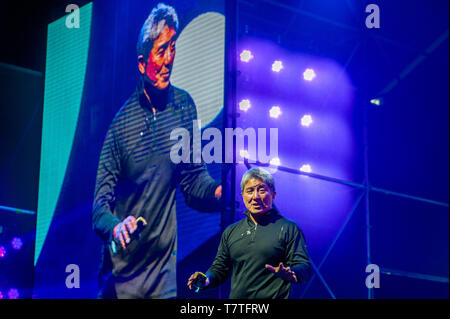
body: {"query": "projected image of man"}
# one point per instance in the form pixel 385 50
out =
pixel 136 178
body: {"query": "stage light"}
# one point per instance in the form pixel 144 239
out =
pixel 244 105
pixel 377 101
pixel 275 161
pixel 306 168
pixel 275 111
pixel 244 154
pixel 2 252
pixel 13 293
pixel 309 74
pixel 1 295
pixel 306 120
pixel 16 243
pixel 246 56
pixel 277 66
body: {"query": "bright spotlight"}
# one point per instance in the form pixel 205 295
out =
pixel 246 56
pixel 275 111
pixel 16 243
pixel 275 161
pixel 244 105
pixel 306 168
pixel 244 154
pixel 277 66
pixel 13 293
pixel 309 74
pixel 377 101
pixel 2 252
pixel 306 120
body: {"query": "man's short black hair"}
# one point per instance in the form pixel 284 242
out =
pixel 258 173
pixel 160 16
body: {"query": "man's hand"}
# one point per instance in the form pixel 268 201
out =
pixel 192 279
pixel 284 272
pixel 123 230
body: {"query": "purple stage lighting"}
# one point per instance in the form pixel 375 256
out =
pixel 275 111
pixel 277 66
pixel 244 154
pixel 306 168
pixel 244 105
pixel 2 252
pixel 377 101
pixel 275 161
pixel 297 91
pixel 16 243
pixel 1 295
pixel 306 120
pixel 13 293
pixel 309 74
pixel 246 56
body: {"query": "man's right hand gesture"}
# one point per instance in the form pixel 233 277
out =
pixel 123 230
pixel 194 277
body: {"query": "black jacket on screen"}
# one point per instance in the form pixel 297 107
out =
pixel 136 176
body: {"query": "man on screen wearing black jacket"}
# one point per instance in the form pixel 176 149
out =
pixel 136 177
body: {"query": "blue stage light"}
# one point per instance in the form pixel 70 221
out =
pixel 244 154
pixel 246 56
pixel 277 66
pixel 275 111
pixel 275 161
pixel 309 74
pixel 306 168
pixel 377 101
pixel 244 105
pixel 306 120
pixel 16 243
pixel 13 293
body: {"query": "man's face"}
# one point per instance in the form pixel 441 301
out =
pixel 257 196
pixel 158 66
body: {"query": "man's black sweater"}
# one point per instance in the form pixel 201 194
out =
pixel 245 249
pixel 137 177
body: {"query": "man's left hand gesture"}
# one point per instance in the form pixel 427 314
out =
pixel 284 272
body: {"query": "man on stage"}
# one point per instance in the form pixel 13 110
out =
pixel 265 252
pixel 136 178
